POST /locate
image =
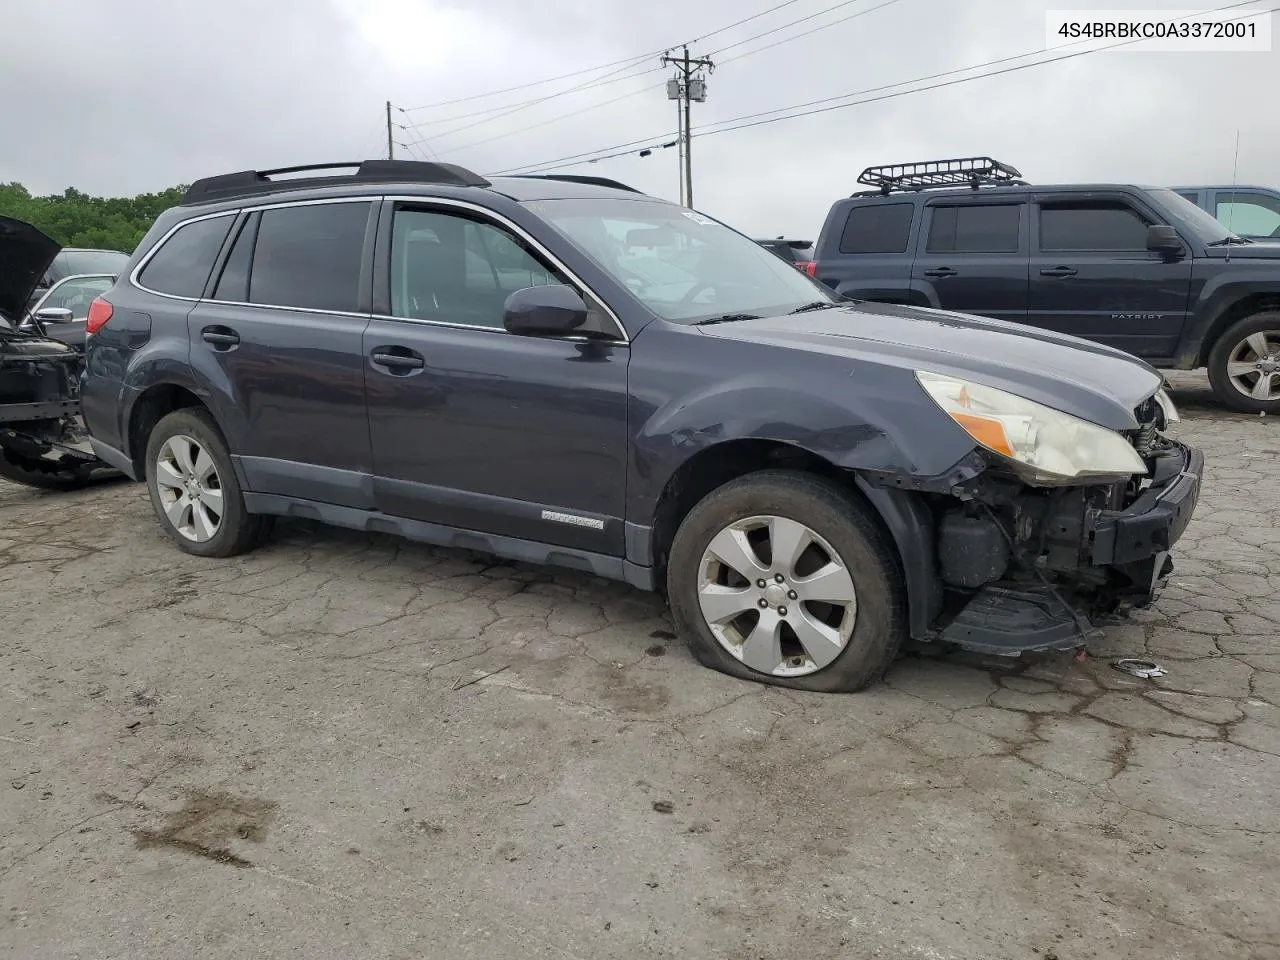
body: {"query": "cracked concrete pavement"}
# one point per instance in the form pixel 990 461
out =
pixel 350 746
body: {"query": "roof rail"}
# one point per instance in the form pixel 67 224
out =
pixel 249 182
pixel 971 172
pixel 579 178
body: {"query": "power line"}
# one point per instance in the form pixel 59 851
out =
pixel 741 56
pixel 824 26
pixel 738 23
pixel 601 81
pixel 601 153
pixel 811 16
pixel 936 86
pixel 534 83
pixel 509 109
pixel 625 96
pixel 603 66
pixel 558 117
pixel 522 168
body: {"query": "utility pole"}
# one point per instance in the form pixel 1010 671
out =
pixel 688 85
pixel 391 152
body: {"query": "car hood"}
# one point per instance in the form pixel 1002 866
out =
pixel 1084 379
pixel 1257 250
pixel 25 255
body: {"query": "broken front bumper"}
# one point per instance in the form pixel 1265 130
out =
pixel 1082 563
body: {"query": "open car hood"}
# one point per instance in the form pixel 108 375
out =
pixel 25 255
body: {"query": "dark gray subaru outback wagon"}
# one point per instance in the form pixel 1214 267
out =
pixel 563 370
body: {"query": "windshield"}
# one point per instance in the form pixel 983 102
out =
pixel 73 262
pixel 1199 222
pixel 682 265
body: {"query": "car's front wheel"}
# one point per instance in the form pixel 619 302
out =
pixel 1244 364
pixel 194 489
pixel 783 577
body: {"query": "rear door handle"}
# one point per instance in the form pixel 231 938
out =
pixel 398 360
pixel 222 338
pixel 1058 272
pixel 940 272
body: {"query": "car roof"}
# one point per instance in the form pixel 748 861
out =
pixel 1002 191
pixel 383 177
pixel 1252 187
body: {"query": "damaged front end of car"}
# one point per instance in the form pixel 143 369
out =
pixel 1056 525
pixel 42 439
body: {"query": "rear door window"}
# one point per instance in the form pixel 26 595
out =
pixel 310 256
pixel 878 228
pixel 182 264
pixel 981 228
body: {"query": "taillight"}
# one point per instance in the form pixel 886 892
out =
pixel 99 314
pixel 811 269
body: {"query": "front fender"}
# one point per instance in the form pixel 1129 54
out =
pixel 871 418
pixel 1217 295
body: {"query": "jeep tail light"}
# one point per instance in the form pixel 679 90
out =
pixel 99 313
pixel 811 269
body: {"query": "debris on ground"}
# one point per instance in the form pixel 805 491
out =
pixel 1142 669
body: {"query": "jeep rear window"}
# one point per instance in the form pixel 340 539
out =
pixel 181 266
pixel 878 228
pixel 981 228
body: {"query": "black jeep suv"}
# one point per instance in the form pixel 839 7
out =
pixel 565 371
pixel 1137 268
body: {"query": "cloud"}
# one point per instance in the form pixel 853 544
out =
pixel 140 94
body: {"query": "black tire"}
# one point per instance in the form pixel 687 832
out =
pixel 238 530
pixel 839 517
pixel 1220 354
pixel 17 469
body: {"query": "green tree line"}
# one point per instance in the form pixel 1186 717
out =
pixel 76 219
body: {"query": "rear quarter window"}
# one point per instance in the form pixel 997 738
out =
pixel 182 265
pixel 878 228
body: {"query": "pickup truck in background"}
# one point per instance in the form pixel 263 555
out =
pixel 1252 212
pixel 1138 268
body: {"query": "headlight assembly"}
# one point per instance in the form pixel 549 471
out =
pixel 1045 446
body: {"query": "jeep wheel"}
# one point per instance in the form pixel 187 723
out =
pixel 782 577
pixel 1244 364
pixel 194 489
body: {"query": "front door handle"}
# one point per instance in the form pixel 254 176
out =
pixel 398 361
pixel 222 338
pixel 940 272
pixel 1058 272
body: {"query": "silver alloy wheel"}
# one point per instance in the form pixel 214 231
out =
pixel 190 488
pixel 776 596
pixel 1254 365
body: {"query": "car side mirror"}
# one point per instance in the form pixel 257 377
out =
pixel 54 315
pixel 546 311
pixel 1163 239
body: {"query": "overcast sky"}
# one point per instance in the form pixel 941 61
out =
pixel 136 95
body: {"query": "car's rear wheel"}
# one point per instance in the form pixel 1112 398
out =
pixel 194 489
pixel 784 578
pixel 1244 364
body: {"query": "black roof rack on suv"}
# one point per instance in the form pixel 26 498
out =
pixel 579 178
pixel 934 174
pixel 249 182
